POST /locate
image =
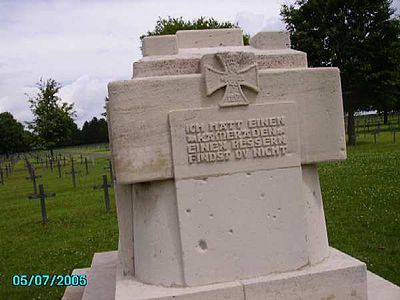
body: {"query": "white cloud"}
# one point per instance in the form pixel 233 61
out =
pixel 251 23
pixel 85 44
pixel 90 92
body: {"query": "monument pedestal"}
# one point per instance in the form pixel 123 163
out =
pixel 339 277
pixel 214 148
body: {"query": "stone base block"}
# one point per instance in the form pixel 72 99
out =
pixel 101 277
pixel 75 292
pixel 381 289
pixel 340 277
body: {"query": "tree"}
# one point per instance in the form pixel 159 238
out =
pixel 104 114
pixel 13 137
pixel 95 131
pixel 53 123
pixel 361 38
pixel 172 25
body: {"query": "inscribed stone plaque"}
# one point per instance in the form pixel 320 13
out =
pixel 213 141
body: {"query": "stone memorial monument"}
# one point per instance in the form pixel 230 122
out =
pixel 214 149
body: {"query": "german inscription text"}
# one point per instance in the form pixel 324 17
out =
pixel 236 140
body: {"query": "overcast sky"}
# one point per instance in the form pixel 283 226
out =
pixel 86 44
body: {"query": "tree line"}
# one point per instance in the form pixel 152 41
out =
pixel 53 125
pixel 362 39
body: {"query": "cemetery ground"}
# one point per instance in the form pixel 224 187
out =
pixel 78 226
pixel 361 198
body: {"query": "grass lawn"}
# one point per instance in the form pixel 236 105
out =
pixel 97 148
pixel 78 226
pixel 362 203
pixel 361 197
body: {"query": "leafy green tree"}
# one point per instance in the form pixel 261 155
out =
pixel 361 38
pixel 76 136
pixel 172 25
pixel 53 119
pixel 104 114
pixel 13 137
pixel 95 131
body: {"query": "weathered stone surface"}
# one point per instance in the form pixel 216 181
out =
pixel 317 238
pixel 270 40
pixel 238 69
pixel 213 142
pixel 339 277
pixel 138 116
pixel 220 218
pixel 130 289
pixel 160 45
pixel 101 277
pixel 381 289
pixel 124 205
pixel 157 247
pixel 75 292
pixel 209 38
pixel 188 61
pixel 322 281
pixel 335 266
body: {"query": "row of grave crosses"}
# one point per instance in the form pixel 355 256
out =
pixel 38 190
pixel 57 160
pixel 5 172
pixel 39 193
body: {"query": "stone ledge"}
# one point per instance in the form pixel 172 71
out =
pixel 75 292
pixel 101 277
pixel 339 277
pixel 160 45
pixel 271 40
pixel 285 286
pixel 209 38
pixel 188 61
pixel 381 289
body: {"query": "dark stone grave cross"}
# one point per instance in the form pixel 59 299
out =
pixel 376 132
pixel 42 196
pixel 105 186
pixel 28 166
pixel 32 176
pixel 111 171
pixel 73 172
pixel 394 135
pixel 51 163
pixel 86 166
pixel 59 168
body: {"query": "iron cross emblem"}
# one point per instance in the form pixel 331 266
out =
pixel 239 69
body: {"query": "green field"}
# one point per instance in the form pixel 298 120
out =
pixel 361 197
pixel 87 149
pixel 78 226
pixel 362 203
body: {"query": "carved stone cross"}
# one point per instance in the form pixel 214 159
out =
pixel 239 69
